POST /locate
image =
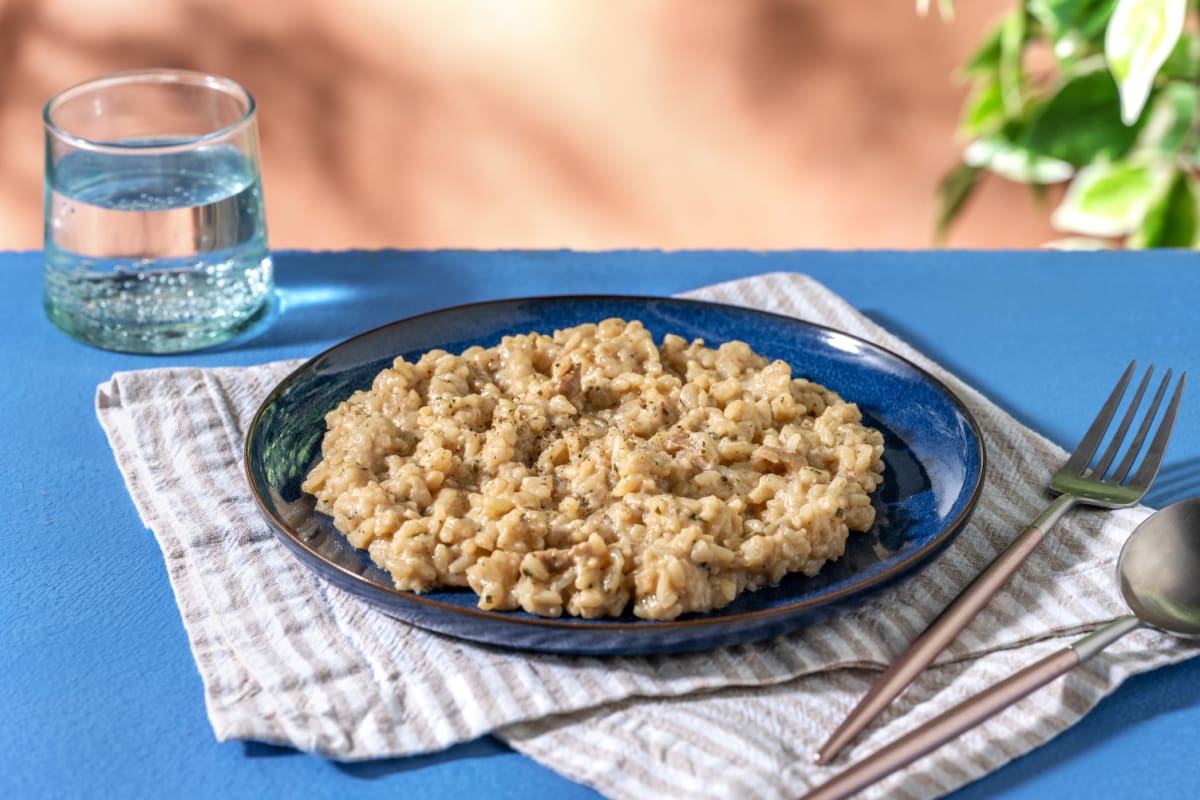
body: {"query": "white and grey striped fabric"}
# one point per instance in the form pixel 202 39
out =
pixel 288 659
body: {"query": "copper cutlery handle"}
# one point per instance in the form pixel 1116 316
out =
pixel 939 730
pixel 969 713
pixel 942 631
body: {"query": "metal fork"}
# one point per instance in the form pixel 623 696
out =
pixel 1076 483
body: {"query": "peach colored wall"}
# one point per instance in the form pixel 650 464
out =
pixel 550 123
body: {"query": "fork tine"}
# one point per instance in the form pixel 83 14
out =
pixel 1135 446
pixel 1079 460
pixel 1154 456
pixel 1111 452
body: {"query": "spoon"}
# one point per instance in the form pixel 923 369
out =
pixel 1159 575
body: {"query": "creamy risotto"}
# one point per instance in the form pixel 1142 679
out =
pixel 592 470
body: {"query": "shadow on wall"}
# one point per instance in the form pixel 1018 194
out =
pixel 762 124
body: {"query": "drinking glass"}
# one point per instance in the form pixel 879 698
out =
pixel 155 237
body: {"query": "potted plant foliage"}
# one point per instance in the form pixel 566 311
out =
pixel 1097 96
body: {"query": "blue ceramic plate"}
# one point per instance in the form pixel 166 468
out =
pixel 934 462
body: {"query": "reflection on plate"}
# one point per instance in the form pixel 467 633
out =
pixel 933 456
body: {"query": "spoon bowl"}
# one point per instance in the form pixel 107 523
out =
pixel 1159 569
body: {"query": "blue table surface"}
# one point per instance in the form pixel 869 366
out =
pixel 99 696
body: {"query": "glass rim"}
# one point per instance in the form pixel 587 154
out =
pixel 149 76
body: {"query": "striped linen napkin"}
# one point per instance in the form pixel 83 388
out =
pixel 288 659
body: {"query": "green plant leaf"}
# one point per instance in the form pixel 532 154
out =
pixel 1184 61
pixel 1010 70
pixel 984 112
pixel 985 60
pixel 1074 35
pixel 1082 122
pixel 953 191
pixel 1172 220
pixel 1094 17
pixel 1000 155
pixel 1108 199
pixel 1140 36
pixel 1058 16
pixel 1170 119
